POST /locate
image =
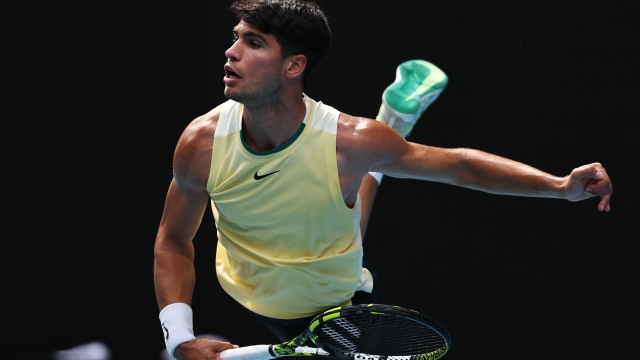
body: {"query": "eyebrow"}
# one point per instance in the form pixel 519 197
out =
pixel 248 34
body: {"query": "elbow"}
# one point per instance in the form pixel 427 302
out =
pixel 462 170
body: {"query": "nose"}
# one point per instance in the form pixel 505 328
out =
pixel 233 53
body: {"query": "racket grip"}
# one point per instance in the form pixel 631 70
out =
pixel 254 352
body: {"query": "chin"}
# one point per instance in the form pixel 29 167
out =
pixel 230 94
pixel 235 95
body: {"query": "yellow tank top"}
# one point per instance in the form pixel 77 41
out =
pixel 288 246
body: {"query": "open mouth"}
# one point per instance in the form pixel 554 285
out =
pixel 230 73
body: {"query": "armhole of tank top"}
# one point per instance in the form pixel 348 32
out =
pixel 227 114
pixel 334 176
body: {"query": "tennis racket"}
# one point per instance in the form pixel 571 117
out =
pixel 359 332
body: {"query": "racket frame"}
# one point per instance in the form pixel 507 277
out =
pixel 378 309
pixel 296 347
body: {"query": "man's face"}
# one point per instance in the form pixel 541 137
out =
pixel 255 69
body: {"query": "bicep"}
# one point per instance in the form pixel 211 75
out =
pixel 187 197
pixel 377 147
pixel 417 161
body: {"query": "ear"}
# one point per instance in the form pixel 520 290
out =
pixel 296 66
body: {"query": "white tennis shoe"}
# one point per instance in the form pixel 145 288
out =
pixel 418 84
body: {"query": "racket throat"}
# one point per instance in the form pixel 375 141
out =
pixel 279 351
pixel 310 350
pixel 358 356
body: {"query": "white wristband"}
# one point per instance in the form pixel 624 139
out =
pixel 177 324
pixel 377 176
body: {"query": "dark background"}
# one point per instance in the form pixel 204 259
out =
pixel 97 94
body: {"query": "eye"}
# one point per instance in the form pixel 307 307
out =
pixel 255 44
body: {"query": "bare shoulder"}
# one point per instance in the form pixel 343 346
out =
pixel 367 140
pixel 192 158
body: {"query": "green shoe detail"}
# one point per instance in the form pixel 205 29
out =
pixel 418 84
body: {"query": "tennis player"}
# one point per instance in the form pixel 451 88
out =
pixel 292 180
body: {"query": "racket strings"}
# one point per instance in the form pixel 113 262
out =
pixel 384 334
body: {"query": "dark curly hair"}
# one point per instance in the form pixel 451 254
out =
pixel 299 26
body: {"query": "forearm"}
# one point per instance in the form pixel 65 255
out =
pixel 174 272
pixel 494 174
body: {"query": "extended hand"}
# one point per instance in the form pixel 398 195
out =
pixel 202 349
pixel 588 181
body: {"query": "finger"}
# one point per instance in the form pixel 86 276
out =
pixel 599 187
pixel 222 345
pixel 604 203
pixel 220 348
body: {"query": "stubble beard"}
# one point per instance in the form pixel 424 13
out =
pixel 264 97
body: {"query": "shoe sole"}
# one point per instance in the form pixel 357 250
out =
pixel 418 83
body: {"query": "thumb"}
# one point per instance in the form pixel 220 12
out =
pixel 587 171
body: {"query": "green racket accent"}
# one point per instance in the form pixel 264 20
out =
pixel 320 319
pixel 434 354
pixel 314 324
pixel 286 351
pixel 289 348
pixel 331 316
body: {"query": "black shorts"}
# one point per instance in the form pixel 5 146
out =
pixel 287 329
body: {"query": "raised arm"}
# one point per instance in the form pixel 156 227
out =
pixel 474 169
pixel 478 170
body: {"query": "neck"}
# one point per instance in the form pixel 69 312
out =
pixel 267 126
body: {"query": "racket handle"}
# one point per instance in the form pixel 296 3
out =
pixel 255 352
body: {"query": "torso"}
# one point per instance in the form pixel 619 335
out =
pixel 352 166
pixel 268 229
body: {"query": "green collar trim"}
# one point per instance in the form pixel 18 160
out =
pixel 273 151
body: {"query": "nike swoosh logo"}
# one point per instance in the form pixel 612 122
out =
pixel 260 177
pixel 167 330
pixel 433 78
